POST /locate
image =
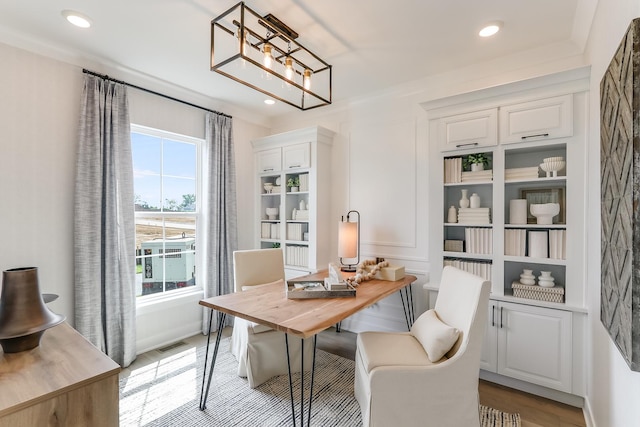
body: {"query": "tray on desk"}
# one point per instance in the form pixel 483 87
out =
pixel 317 291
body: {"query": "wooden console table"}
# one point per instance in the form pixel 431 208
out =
pixel 65 382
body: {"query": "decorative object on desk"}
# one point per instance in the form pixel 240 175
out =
pixel 349 241
pixel 474 201
pixel 464 200
pixel 475 162
pixel 24 317
pixel 293 183
pixel 542 196
pixel 452 215
pixel 619 197
pixel 527 277
pixel 272 213
pixel 362 274
pixel 268 187
pixel 314 289
pixel 545 212
pixel 518 211
pixel 552 165
pixel 546 280
pixel 538 244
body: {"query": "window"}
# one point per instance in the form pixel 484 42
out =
pixel 166 171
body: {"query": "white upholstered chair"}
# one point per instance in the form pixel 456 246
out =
pixel 402 379
pixel 260 350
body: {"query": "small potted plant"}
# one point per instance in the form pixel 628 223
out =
pixel 293 183
pixel 476 162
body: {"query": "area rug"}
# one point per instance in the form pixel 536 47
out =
pixel 166 393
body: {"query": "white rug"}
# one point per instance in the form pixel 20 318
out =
pixel 167 392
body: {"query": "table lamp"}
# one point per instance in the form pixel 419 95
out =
pixel 349 241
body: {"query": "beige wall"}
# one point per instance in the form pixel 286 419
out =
pixel 39 111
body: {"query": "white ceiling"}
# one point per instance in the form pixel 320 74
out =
pixel 372 44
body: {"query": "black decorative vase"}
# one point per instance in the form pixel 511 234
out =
pixel 24 317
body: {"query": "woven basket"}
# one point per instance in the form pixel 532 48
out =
pixel 554 294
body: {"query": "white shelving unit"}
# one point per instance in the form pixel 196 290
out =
pixel 533 345
pixel 303 234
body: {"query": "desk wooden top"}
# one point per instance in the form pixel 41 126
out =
pixel 63 361
pixel 270 306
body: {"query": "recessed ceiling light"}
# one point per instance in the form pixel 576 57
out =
pixel 490 29
pixel 269 101
pixel 77 18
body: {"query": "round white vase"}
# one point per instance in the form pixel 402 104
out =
pixel 474 201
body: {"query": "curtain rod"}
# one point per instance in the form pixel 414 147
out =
pixel 106 77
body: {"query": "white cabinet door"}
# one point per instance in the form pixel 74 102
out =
pixel 269 160
pixel 534 345
pixel 537 120
pixel 297 156
pixel 489 355
pixel 476 129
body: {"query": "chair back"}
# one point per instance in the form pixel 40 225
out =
pixel 257 266
pixel 463 302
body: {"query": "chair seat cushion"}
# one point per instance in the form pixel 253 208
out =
pixel 390 349
pixel 436 337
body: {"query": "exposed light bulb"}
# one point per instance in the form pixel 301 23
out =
pixel 244 44
pixel 268 58
pixel 288 67
pixel 306 79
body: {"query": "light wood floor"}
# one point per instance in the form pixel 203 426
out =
pixel 534 411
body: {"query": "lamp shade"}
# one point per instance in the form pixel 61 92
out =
pixel 348 240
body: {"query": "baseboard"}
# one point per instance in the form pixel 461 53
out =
pixel 588 413
pixel 167 337
pixel 558 396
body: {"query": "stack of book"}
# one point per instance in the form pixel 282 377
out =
pixel 516 174
pixel 481 269
pixel 478 240
pixel 453 170
pixel 557 244
pixel 294 231
pixel 297 255
pixel 266 230
pixel 304 181
pixel 515 242
pixel 474 216
pixel 477 176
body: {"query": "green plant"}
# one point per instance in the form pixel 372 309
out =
pixel 293 182
pixel 479 158
pixel 275 245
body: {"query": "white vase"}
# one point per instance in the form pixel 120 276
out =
pixel 474 201
pixel 464 201
pixel 518 211
pixel 453 215
pixel 477 167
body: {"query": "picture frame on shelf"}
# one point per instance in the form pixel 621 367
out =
pixel 544 195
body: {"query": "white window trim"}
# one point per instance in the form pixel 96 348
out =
pixel 146 303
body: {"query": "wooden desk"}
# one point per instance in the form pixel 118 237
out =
pixel 65 381
pixel 303 318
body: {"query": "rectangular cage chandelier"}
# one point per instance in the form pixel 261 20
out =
pixel 261 52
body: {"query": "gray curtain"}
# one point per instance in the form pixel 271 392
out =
pixel 219 207
pixel 104 227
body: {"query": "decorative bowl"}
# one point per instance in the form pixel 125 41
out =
pixel 268 187
pixel 272 213
pixel 544 212
pixel 552 159
pixel 552 167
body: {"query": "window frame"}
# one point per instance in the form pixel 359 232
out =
pixel 173 294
